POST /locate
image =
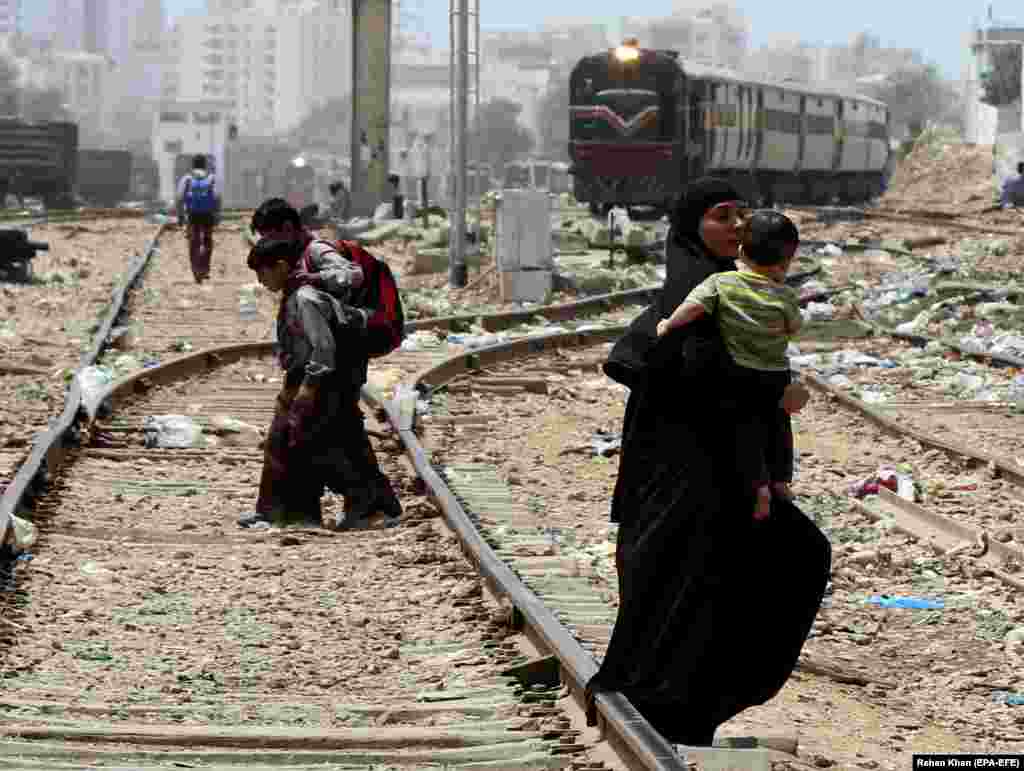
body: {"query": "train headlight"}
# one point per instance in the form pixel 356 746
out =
pixel 627 53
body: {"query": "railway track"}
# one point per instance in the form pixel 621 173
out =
pixel 394 655
pixel 133 537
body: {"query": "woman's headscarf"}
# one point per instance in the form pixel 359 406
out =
pixel 699 196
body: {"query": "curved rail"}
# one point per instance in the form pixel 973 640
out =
pixel 49 448
pixel 627 731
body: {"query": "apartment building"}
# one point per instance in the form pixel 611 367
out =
pixel 271 70
pixel 10 17
pixel 788 61
pixel 277 7
pixel 84 80
pixel 713 36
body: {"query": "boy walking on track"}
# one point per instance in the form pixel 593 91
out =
pixel 198 204
pixel 317 438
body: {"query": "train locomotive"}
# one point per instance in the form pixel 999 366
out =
pixel 642 123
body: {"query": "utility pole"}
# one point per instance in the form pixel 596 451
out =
pixel 459 37
pixel 371 107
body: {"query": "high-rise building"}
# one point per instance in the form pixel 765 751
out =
pixel 10 17
pixel 277 7
pixel 270 69
pixel 95 26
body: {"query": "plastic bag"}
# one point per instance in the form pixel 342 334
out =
pixel 172 431
pixel 94 382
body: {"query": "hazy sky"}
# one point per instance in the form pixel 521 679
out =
pixel 934 28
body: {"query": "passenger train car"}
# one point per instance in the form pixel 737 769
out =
pixel 642 123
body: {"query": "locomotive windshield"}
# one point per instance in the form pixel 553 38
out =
pixel 623 104
pixel 620 114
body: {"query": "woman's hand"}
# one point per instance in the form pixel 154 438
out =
pixel 794 397
pixel 662 327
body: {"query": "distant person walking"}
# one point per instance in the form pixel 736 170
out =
pixel 1013 189
pixel 341 202
pixel 198 205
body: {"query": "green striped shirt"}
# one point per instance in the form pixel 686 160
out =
pixel 757 316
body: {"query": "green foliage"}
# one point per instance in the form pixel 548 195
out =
pixel 553 120
pixel 500 135
pixel 917 96
pixel 327 124
pixel 1001 79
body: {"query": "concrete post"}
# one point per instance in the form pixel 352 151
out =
pixel 371 104
pixel 457 272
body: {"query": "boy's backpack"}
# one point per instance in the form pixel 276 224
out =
pixel 385 326
pixel 199 196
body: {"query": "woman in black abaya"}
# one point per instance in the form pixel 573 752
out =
pixel 714 606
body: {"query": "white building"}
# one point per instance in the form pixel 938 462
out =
pixel 269 70
pixel 786 61
pixel 187 128
pixel 715 36
pixel 84 80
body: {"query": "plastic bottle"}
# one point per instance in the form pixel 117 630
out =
pixel 916 603
pixel 247 310
pixel 1015 393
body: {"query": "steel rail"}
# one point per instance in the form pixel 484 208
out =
pixel 629 734
pixel 49 448
pixel 625 729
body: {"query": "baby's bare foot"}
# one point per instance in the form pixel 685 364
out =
pixel 782 490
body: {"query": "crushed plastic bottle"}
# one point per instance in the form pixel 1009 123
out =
pixel 915 603
pixel 247 309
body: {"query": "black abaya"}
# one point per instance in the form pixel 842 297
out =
pixel 714 607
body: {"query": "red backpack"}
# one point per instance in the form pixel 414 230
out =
pixel 385 327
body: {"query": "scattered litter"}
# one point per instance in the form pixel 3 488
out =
pixel 477 341
pixel 916 603
pixel 1010 699
pixel 900 482
pixel 606 443
pixel 247 309
pixel 869 396
pixel 172 431
pixel 94 381
pixel 234 432
pixel 819 312
pixel 21 535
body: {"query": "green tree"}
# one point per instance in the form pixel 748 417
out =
pixel 1001 79
pixel 326 125
pixel 553 119
pixel 500 135
pixel 917 96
